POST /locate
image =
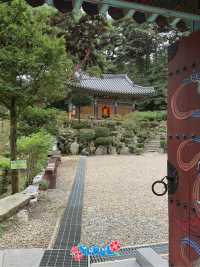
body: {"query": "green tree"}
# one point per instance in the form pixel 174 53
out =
pixel 79 101
pixel 87 40
pixel 33 64
pixel 156 76
pixel 141 52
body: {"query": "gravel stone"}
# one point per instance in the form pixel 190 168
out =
pixel 119 203
pixel 37 231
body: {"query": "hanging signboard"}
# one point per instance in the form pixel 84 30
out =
pixel 18 165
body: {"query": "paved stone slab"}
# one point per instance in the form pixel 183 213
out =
pixel 11 204
pixel 147 257
pixel 123 263
pixel 22 257
pixel 1 257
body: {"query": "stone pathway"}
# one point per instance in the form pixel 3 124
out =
pixel 70 228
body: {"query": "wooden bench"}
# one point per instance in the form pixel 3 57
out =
pixel 51 170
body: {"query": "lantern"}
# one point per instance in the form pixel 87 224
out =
pixel 139 17
pixel 90 8
pixel 63 6
pixel 116 13
pixel 162 22
pixel 35 3
pixel 181 26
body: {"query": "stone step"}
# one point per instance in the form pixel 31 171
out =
pixel 152 148
pixel 21 257
pixel 147 257
pixel 152 145
pixel 118 263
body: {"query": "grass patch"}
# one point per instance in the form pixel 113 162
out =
pixel 4 136
pixel 2 229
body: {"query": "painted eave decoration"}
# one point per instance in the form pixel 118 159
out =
pixel 110 84
pixel 177 14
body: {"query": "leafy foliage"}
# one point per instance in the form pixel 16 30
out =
pixel 34 118
pixel 33 64
pixel 80 125
pixel 34 149
pixel 43 185
pixel 87 40
pixel 104 141
pixel 4 168
pixel 4 163
pixel 86 135
pixel 102 132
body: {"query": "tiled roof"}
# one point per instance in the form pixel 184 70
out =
pixel 112 84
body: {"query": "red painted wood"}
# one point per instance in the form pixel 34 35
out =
pixel 184 152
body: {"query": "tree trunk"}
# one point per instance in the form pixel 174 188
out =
pixel 79 114
pixel 13 145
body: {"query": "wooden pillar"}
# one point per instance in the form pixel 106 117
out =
pixel 115 107
pixel 95 106
pixel 133 106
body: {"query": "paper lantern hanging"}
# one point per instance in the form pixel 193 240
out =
pixel 116 13
pixel 162 22
pixel 90 8
pixel 139 17
pixel 182 26
pixel 35 3
pixel 63 6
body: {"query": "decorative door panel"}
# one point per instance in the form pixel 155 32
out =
pixel 184 152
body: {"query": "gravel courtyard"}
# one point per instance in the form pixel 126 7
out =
pixel 119 203
pixel 37 230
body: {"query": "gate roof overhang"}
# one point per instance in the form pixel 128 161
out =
pixel 141 7
pixel 187 17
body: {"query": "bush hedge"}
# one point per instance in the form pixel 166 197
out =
pixel 104 141
pixel 102 132
pixel 80 125
pixel 86 135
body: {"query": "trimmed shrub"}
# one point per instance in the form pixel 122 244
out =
pixel 80 125
pixel 103 141
pixel 111 124
pixel 102 132
pixel 86 135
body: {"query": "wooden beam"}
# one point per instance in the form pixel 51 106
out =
pixel 148 8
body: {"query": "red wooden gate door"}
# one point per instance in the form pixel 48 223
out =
pixel 184 152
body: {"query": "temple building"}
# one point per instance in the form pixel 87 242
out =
pixel 112 95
